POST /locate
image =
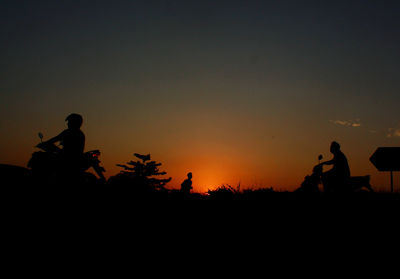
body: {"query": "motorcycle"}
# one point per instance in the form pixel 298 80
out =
pixel 49 165
pixel 311 182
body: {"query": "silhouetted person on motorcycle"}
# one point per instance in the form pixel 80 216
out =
pixel 186 185
pixel 336 179
pixel 73 142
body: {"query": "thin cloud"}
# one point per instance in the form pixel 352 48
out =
pixel 347 123
pixel 393 132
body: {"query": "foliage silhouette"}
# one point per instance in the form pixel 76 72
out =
pixel 141 174
pixel 224 192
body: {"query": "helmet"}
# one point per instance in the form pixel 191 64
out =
pixel 335 146
pixel 74 120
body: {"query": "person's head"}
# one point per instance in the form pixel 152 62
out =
pixel 335 147
pixel 74 121
pixel 189 175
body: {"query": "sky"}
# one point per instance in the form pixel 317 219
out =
pixel 237 92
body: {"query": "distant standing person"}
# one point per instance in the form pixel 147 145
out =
pixel 186 185
pixel 336 178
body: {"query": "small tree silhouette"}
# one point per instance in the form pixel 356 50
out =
pixel 143 173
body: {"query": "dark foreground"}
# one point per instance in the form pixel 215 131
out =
pixel 101 197
pixel 93 221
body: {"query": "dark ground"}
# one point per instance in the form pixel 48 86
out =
pixel 75 226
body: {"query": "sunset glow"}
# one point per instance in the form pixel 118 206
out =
pixel 236 92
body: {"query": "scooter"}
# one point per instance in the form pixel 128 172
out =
pixel 311 183
pixel 354 183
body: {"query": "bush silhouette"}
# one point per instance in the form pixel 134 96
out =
pixel 224 192
pixel 141 175
pixel 227 192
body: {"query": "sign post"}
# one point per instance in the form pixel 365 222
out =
pixel 391 181
pixel 387 159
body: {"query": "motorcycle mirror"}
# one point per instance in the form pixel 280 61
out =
pixel 40 136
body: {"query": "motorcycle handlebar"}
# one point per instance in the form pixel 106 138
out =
pixel 48 147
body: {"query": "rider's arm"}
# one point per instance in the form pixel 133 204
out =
pixel 55 139
pixel 331 162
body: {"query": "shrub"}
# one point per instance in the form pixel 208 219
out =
pixel 142 174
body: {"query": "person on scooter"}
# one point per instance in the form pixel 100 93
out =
pixel 336 179
pixel 73 142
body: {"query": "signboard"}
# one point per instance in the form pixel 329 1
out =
pixel 386 159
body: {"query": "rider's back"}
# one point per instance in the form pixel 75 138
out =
pixel 73 141
pixel 341 165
